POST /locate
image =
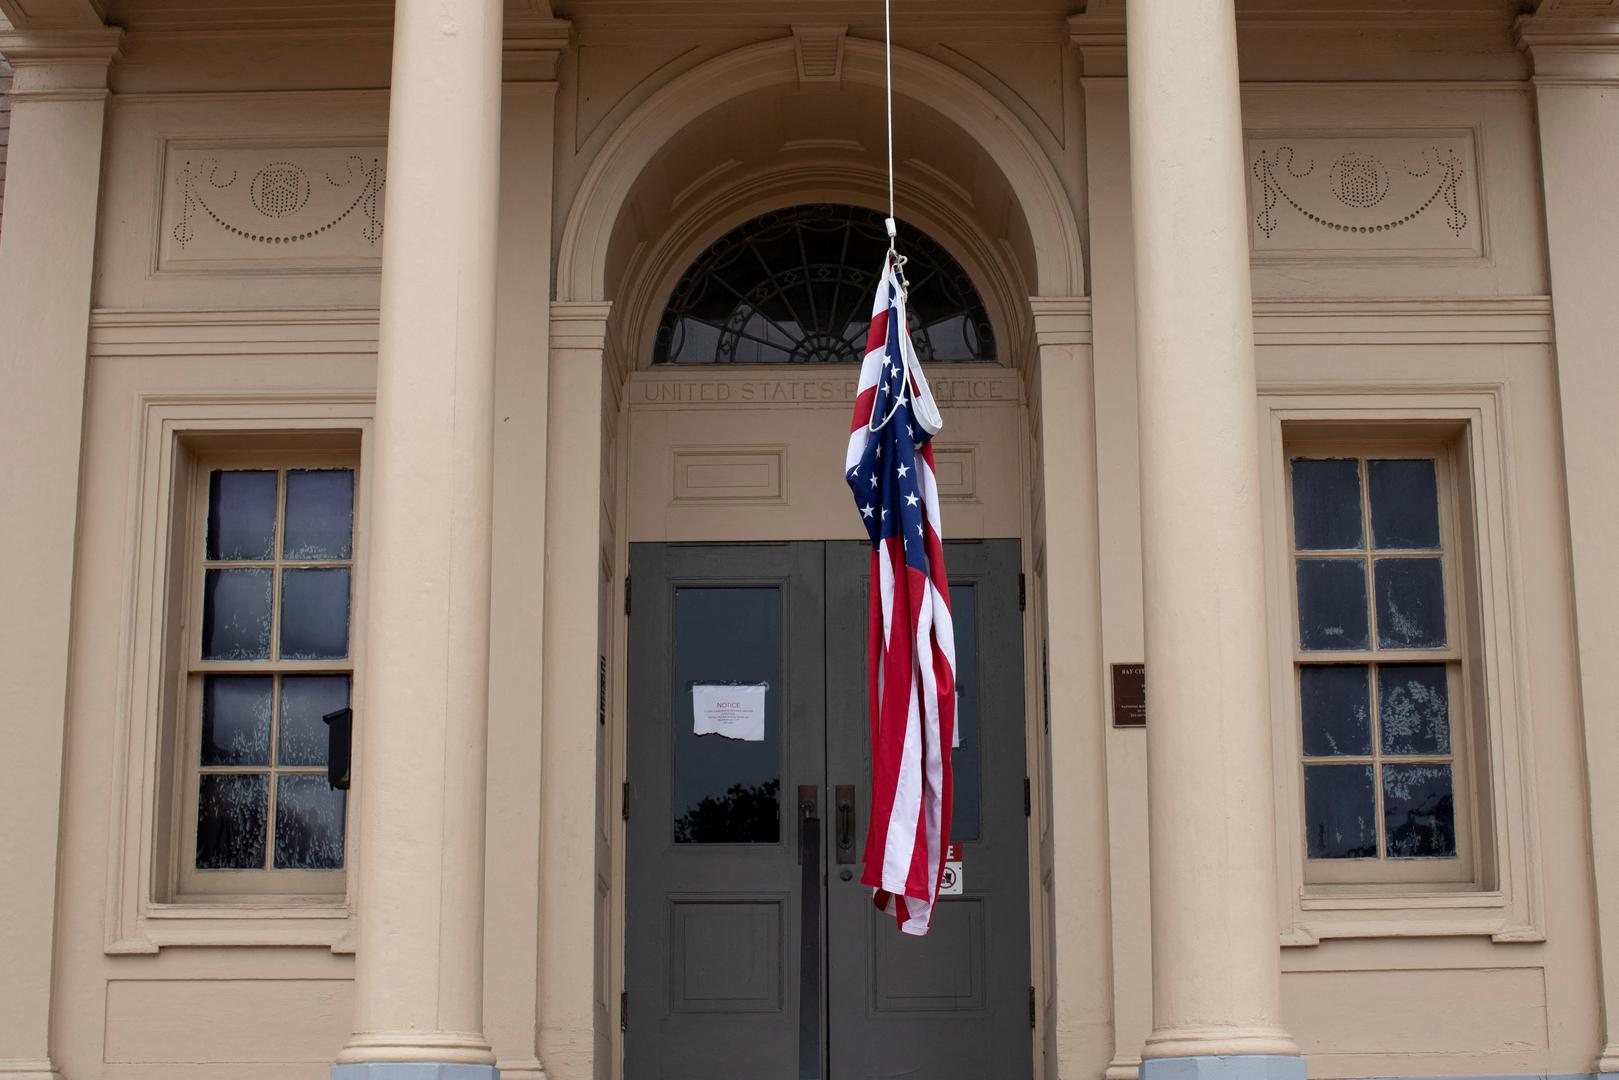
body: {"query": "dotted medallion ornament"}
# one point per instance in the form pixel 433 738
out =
pixel 1359 180
pixel 279 189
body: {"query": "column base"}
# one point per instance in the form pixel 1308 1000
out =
pixel 414 1070
pixel 30 1069
pixel 1224 1067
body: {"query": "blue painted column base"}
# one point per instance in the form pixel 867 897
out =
pixel 1235 1067
pixel 413 1070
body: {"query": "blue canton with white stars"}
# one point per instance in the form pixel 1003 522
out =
pixel 886 484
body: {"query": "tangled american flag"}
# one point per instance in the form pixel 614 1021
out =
pixel 912 650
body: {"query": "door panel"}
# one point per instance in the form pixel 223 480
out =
pixel 720 942
pixel 713 885
pixel 955 1003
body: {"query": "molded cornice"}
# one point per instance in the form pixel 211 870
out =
pixel 53 14
pixel 60 63
pixel 1572 41
pixel 533 47
pixel 1098 31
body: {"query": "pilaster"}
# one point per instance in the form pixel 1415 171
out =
pixel 1099 36
pixel 1575 50
pixel 47 259
pixel 1066 558
pixel 573 1011
pixel 512 957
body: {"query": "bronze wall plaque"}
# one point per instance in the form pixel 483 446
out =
pixel 1129 695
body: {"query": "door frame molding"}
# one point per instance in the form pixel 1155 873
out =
pixel 612 958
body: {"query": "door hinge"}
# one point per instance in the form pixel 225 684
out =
pixel 624 801
pixel 1031 1006
pixel 624 1009
pixel 1022 591
pixel 1028 801
pixel 626 594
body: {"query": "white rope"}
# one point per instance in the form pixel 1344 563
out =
pixel 906 360
pixel 888 83
pixel 888 88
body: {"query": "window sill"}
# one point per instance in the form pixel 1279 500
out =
pixel 212 921
pixel 1428 911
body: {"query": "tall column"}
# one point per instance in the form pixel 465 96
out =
pixel 1215 953
pixel 1576 80
pixel 419 984
pixel 47 255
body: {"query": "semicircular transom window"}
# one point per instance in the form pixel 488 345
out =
pixel 795 286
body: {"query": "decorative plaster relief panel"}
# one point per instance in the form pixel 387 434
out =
pixel 271 208
pixel 1375 195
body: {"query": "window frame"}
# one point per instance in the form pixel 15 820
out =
pixel 170 432
pixel 1502 898
pixel 187 882
pixel 1351 875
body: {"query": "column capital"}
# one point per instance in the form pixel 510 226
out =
pixel 579 324
pixel 1098 33
pixel 61 64
pixel 532 48
pixel 1061 320
pixel 1572 41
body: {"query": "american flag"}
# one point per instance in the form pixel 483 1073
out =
pixel 912 645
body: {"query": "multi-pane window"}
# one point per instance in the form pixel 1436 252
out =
pixel 1378 665
pixel 270 659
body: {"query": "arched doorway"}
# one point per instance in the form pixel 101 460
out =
pixel 751 949
pixel 737 453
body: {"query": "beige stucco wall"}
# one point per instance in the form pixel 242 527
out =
pixel 1048 446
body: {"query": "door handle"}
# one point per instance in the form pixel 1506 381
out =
pixel 809 821
pixel 844 803
pixel 810 1038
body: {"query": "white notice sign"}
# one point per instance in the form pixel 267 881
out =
pixel 736 712
pixel 950 881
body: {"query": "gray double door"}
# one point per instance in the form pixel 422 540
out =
pixel 752 950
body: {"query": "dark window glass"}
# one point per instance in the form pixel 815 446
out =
pixel 315 614
pixel 964 810
pixel 1405 503
pixel 241 514
pixel 236 614
pixel 1410 603
pixel 1335 702
pixel 320 514
pixel 232 811
pixel 1340 812
pixel 308 824
pixel 305 700
pixel 727 790
pixel 795 286
pixel 1419 811
pixel 236 713
pixel 1413 708
pixel 1332 604
pixel 1326 504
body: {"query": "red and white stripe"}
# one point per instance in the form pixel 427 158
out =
pixel 912 685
